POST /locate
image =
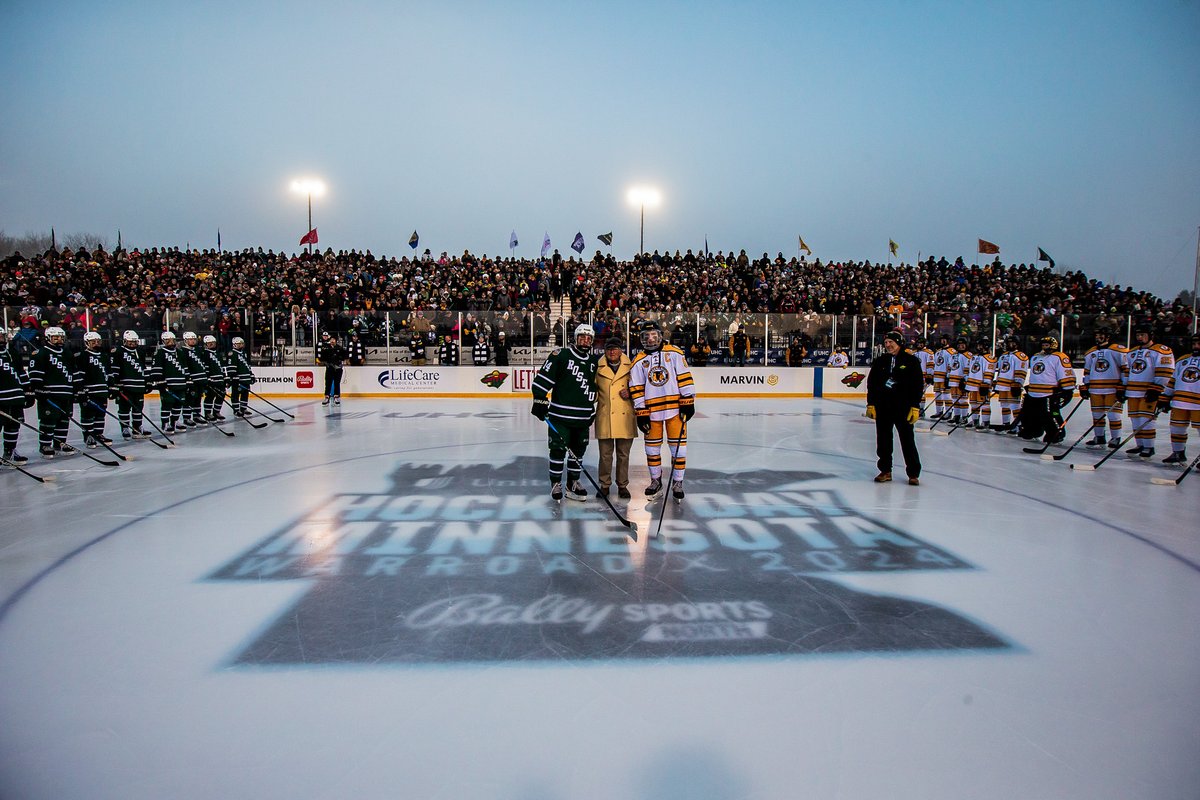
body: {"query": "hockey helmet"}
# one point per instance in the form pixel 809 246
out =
pixel 238 340
pixel 1143 327
pixel 651 336
pixel 584 330
pixel 3 333
pixel 1011 344
pixel 90 337
pixel 167 336
pixel 1103 335
pixel 961 342
pixel 921 341
pixel 188 336
pixel 983 345
pixel 131 336
pixel 210 340
pixel 1049 340
pixel 55 332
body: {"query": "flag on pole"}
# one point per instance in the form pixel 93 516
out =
pixel 895 248
pixel 219 250
pixel 1044 256
pixel 808 249
pixel 546 245
pixel 310 237
pixel 706 245
pixel 988 248
pixel 118 240
pixel 578 244
pixel 512 241
pixel 606 238
pixel 414 240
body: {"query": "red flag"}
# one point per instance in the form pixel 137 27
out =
pixel 988 248
pixel 311 237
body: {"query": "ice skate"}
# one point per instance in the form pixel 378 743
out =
pixel 654 488
pixel 1177 457
pixel 556 492
pixel 677 490
pixel 576 492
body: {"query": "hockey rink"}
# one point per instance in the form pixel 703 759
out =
pixel 380 600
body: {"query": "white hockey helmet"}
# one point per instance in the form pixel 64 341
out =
pixel 585 330
pixel 167 336
pixel 188 336
pixel 91 336
pixel 210 340
pixel 238 340
pixel 131 336
pixel 53 331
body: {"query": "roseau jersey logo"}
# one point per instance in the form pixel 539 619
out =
pixel 304 380
pixel 476 564
pixel 854 379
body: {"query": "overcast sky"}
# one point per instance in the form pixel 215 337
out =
pixel 1073 126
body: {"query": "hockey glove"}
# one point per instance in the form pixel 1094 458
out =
pixel 643 423
pixel 1120 395
pixel 913 415
pixel 541 408
pixel 1083 392
pixel 1064 397
pixel 870 412
pixel 29 399
pixel 1152 395
pixel 1164 405
pixel 687 412
pixel 114 393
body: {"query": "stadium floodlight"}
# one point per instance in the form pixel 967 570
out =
pixel 642 196
pixel 310 187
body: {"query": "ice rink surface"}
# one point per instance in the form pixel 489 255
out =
pixel 381 601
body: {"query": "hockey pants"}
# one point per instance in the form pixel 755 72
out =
pixel 676 441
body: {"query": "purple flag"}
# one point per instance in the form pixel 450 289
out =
pixel 546 245
pixel 578 245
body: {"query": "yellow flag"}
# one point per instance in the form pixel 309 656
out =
pixel 895 248
pixel 803 246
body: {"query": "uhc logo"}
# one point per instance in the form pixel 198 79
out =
pixel 304 380
pixel 474 563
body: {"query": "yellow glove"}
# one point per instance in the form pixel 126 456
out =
pixel 870 412
pixel 913 414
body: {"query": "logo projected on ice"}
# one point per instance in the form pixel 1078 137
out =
pixel 476 564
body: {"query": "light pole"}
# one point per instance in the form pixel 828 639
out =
pixel 309 186
pixel 642 196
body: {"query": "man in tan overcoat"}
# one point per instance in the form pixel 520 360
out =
pixel 616 425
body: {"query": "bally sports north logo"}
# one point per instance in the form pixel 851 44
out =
pixel 475 564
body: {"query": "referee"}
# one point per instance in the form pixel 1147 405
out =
pixel 895 389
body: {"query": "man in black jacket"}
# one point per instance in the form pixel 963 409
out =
pixel 895 388
pixel 330 355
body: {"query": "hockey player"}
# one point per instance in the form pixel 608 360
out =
pixel 925 356
pixel 330 355
pixel 1150 368
pixel 214 391
pixel 52 377
pixel 942 404
pixel 564 394
pixel 170 378
pixel 1051 386
pixel 981 376
pixel 664 397
pixel 93 376
pixel 1011 369
pixel 189 357
pixel 838 357
pixel 448 352
pixel 240 376
pixel 129 375
pixel 1182 397
pixel 481 353
pixel 957 369
pixel 1103 386
pixel 15 397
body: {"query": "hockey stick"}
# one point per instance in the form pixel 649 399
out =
pixel 261 414
pixel 1177 481
pixel 1062 427
pixel 118 419
pixel 101 441
pixel 985 401
pixel 47 478
pixel 1065 453
pixel 632 526
pixel 196 420
pixel 1115 450
pixel 268 402
pixel 146 418
pixel 662 512
pixel 953 402
pixel 242 417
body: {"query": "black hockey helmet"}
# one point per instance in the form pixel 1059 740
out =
pixel 1143 327
pixel 1103 333
pixel 651 336
pixel 1011 344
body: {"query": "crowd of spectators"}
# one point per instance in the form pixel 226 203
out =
pixel 136 287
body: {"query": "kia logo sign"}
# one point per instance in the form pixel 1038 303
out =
pixel 304 380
